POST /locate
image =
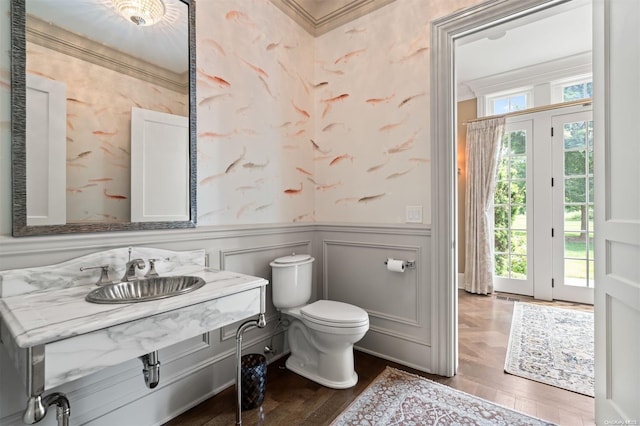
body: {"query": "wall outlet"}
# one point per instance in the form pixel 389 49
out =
pixel 413 214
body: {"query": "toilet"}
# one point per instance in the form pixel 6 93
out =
pixel 321 334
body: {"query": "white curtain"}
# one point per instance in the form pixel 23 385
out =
pixel 484 142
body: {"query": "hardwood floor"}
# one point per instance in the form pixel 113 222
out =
pixel 484 324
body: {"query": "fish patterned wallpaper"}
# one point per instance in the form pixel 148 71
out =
pixel 292 128
pixel 332 129
pixel 255 114
pixel 372 115
pixel 99 131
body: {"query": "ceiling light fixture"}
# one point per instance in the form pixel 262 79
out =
pixel 141 12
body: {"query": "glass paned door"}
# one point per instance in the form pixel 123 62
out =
pixel 512 224
pixel 573 271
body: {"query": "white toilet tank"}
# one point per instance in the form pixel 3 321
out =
pixel 291 280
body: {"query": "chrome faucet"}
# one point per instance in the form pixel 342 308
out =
pixel 130 269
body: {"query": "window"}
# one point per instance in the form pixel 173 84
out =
pixel 572 89
pixel 576 91
pixel 510 207
pixel 577 146
pixel 502 103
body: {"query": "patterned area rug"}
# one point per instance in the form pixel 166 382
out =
pixel 396 397
pixel 552 346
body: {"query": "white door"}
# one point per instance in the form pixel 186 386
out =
pixel 159 166
pixel 572 207
pixel 46 145
pixel 617 214
pixel 513 239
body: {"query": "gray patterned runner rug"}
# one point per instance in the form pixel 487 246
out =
pixel 396 397
pixel 552 346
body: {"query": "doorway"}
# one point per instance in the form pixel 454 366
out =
pixel 444 33
pixel 534 254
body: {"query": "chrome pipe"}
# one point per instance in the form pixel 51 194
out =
pixel 63 409
pixel 260 323
pixel 37 408
pixel 151 370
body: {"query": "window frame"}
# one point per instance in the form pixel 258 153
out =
pixel 490 98
pixel 558 86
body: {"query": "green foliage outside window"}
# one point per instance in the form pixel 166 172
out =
pixel 577 91
pixel 509 207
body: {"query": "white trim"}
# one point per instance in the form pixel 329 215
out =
pixel 398 335
pixel 393 359
pixel 546 72
pixel 228 253
pixel 617 225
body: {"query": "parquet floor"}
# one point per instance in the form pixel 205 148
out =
pixel 484 323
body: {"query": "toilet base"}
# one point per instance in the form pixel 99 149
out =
pixel 310 371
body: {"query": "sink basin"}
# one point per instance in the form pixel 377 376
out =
pixel 145 289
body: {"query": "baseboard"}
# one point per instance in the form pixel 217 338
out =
pixel 392 359
pixel 461 280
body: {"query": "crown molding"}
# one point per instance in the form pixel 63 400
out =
pixel 532 75
pixel 53 37
pixel 316 21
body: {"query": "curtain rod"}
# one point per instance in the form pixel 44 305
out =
pixel 583 102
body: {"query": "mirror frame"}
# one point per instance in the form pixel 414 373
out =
pixel 18 140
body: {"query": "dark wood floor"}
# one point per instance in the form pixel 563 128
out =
pixel 484 323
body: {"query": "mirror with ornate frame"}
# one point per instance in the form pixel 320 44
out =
pixel 101 109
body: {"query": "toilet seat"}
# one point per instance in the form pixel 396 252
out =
pixel 329 313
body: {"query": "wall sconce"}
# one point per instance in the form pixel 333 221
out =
pixel 141 12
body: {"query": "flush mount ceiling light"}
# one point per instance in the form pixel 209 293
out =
pixel 141 12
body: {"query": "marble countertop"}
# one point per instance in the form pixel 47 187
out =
pixel 46 316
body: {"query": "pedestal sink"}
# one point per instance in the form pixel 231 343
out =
pixel 142 290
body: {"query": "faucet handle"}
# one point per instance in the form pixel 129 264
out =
pixel 104 274
pixel 152 267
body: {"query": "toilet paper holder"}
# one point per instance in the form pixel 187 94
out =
pixel 407 263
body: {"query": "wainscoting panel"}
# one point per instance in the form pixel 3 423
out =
pixel 255 261
pixel 398 303
pixel 192 370
pixel 195 344
pixel 354 269
pixel 349 265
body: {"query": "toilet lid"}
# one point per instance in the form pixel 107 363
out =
pixel 338 313
pixel 293 258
